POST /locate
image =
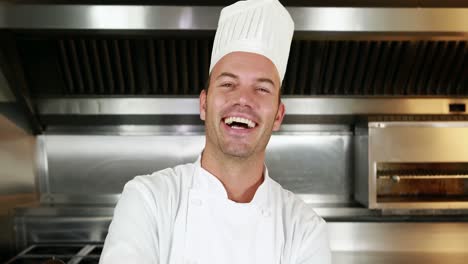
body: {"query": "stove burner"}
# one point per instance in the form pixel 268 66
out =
pixel 57 254
pixel 54 250
pixel 40 260
pixel 54 261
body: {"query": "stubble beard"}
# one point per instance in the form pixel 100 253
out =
pixel 234 150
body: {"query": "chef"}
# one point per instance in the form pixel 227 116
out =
pixel 224 208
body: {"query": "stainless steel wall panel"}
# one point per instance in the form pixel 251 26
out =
pixel 350 106
pixel 313 161
pixel 108 17
pixel 16 159
pixel 5 92
pixel 418 142
pixel 450 21
pixel 379 19
pixel 294 106
pixel 115 106
pixel 16 178
pixel 42 167
pixel 97 165
pixel 312 164
pixel 361 164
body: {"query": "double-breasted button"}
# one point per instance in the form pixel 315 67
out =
pixel 265 212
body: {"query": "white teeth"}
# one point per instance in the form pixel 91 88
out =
pixel 230 120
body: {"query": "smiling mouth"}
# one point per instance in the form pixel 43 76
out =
pixel 239 122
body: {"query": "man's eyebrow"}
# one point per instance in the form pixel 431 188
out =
pixel 227 74
pixel 232 75
pixel 266 80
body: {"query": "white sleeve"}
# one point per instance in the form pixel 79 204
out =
pixel 133 233
pixel 315 248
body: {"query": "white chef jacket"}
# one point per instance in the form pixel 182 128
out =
pixel 183 215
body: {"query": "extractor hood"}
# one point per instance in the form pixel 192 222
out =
pixel 65 59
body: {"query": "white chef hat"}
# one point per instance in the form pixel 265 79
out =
pixel 258 26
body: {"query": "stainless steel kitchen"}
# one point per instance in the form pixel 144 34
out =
pixel 375 136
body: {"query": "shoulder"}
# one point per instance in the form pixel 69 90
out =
pixel 144 215
pixel 163 187
pixel 295 206
pixel 296 213
pixel 167 180
pixel 305 231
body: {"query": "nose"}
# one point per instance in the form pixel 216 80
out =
pixel 245 97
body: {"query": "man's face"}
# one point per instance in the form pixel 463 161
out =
pixel 242 106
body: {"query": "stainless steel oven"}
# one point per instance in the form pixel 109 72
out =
pixel 415 165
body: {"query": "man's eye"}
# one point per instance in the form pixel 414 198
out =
pixel 263 90
pixel 228 85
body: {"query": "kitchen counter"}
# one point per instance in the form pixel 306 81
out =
pixel 361 214
pixel 329 213
pixel 357 235
pixel 341 257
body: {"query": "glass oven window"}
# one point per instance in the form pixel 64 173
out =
pixel 422 182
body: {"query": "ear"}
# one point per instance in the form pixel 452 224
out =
pixel 203 104
pixel 279 117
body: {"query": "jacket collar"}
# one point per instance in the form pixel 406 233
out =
pixel 209 184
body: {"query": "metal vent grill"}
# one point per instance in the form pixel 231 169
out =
pixel 377 68
pixel 134 67
pixel 180 67
pixel 415 118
